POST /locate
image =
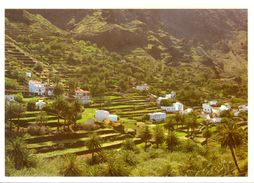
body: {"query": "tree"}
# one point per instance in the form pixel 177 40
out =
pixel 72 85
pixel 19 97
pixel 19 153
pixel 71 166
pixel 76 108
pixel 94 144
pixel 158 135
pixel 179 119
pixel 193 125
pixel 169 125
pixel 59 89
pixel 166 102
pixel 129 144
pixel 206 132
pixel 58 107
pixel 190 122
pixel 145 135
pixel 172 141
pixel 231 136
pixel 38 67
pixel 14 110
pixel 42 117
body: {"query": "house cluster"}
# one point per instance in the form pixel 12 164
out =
pixel 241 109
pixel 211 110
pixel 142 87
pixel 171 95
pixel 102 115
pixel 82 96
pixel 39 88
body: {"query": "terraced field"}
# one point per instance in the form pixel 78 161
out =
pixel 131 106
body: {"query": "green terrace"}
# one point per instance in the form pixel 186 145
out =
pixel 67 143
pixel 56 137
pixel 84 150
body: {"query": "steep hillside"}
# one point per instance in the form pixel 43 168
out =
pixel 198 50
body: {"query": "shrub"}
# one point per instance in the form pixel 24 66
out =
pixel 89 127
pixel 19 97
pixel 38 129
pixel 166 102
pixel 154 167
pixel 129 145
pixel 11 84
pixel 31 106
pixel 38 67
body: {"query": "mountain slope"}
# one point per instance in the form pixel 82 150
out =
pixel 168 49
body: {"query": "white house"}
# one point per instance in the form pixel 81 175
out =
pixel 225 107
pixel 213 102
pixel 171 95
pixel 157 116
pixel 82 96
pixel 29 74
pixel 237 113
pixel 207 108
pixel 243 108
pixel 40 104
pixel 205 116
pixel 159 99
pixel 188 110
pixel 142 87
pixel 36 87
pixel 113 118
pixel 216 120
pixel 178 106
pixel 168 108
pixel 9 98
pixel 101 115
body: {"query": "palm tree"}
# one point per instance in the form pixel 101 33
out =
pixel 158 135
pixel 72 85
pixel 188 120
pixel 76 108
pixel 58 105
pixel 19 153
pixel 169 125
pixel 206 132
pixel 172 141
pixel 71 166
pixel 129 144
pixel 145 135
pixel 191 123
pixel 179 119
pixel 231 136
pixel 66 113
pixel 94 144
pixel 42 117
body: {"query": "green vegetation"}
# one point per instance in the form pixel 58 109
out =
pixel 109 53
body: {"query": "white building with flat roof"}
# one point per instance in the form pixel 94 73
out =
pixel 157 116
pixel 113 118
pixel 207 108
pixel 101 115
pixel 36 87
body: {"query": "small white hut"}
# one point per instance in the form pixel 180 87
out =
pixel 101 115
pixel 113 118
pixel 40 104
